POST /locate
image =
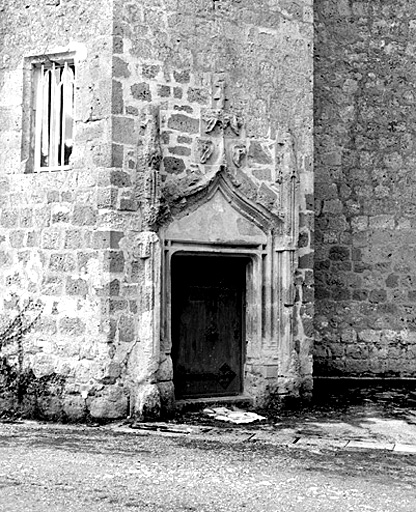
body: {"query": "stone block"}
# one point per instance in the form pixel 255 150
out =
pixel 72 326
pixel 74 239
pixel 43 365
pixel 123 130
pixel 180 151
pixel 141 91
pixel 46 325
pixel 106 239
pixel 303 240
pixel 112 372
pixel 306 261
pixel 120 179
pixel 16 239
pixel 165 372
pixel 163 91
pixel 26 215
pixel 74 408
pixel 360 295
pixel 133 111
pixel 182 76
pixel 114 261
pixel 113 404
pixel 84 215
pixel 339 253
pixel 182 139
pixel 52 196
pixel 52 239
pixel 147 405
pixel 198 96
pixel 117 103
pixel 150 71
pixel 128 204
pixel 111 289
pixel 62 262
pixel 116 305
pixel 377 296
pixel 177 92
pixel 9 218
pixel 120 68
pixel 52 285
pixel 258 154
pixel 76 287
pixel 126 328
pixel 166 394
pixel 117 157
pixel 173 165
pixel 118 44
pixel 183 123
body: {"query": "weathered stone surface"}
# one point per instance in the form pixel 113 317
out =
pixel 141 92
pixel 364 199
pixel 148 403
pixel 112 404
pixel 85 239
pixel 183 123
pixel 74 408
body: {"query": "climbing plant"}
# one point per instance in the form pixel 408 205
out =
pixel 13 377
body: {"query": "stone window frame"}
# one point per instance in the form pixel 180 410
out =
pixel 30 130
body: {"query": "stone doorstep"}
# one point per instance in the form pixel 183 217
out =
pixel 198 404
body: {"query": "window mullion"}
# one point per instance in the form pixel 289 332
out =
pixel 45 151
pixel 39 86
pixel 63 86
pixel 55 107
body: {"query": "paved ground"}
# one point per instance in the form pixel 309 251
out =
pixel 354 457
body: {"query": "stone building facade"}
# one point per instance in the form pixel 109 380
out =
pixel 364 96
pixel 166 222
pixel 180 201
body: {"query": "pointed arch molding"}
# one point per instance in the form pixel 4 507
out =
pixel 219 212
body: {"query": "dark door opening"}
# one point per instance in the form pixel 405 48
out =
pixel 208 324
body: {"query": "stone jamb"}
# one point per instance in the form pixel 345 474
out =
pixel 253 295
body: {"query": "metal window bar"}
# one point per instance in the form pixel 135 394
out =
pixel 54 115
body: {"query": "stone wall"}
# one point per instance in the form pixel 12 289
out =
pixel 252 64
pixel 167 94
pixel 364 188
pixel 60 230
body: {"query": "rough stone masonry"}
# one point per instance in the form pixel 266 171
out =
pixel 193 133
pixel 364 100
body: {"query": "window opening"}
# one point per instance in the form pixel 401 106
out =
pixel 53 109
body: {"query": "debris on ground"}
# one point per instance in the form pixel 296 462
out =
pixel 161 427
pixel 167 427
pixel 235 415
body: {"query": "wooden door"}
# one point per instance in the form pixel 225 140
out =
pixel 207 325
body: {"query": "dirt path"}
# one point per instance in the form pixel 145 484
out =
pixel 61 468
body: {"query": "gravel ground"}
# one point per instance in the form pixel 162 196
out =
pixel 51 468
